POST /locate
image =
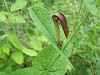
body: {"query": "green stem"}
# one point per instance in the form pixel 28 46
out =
pixel 81 4
pixel 9 15
pixel 66 44
pixel 6 6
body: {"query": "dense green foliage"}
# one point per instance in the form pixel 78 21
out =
pixel 28 42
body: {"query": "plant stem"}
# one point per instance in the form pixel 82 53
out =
pixel 66 44
pixel 9 15
pixel 81 5
pixel 6 6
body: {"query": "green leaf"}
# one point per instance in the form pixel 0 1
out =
pixel 25 71
pixel 37 45
pixel 97 2
pixel 68 67
pixel 3 73
pixel 90 4
pixel 49 63
pixel 16 18
pixel 2 55
pixel 29 52
pixel 14 40
pixel 2 17
pixel 6 50
pixel 18 57
pixel 68 50
pixel 42 39
pixel 4 13
pixel 19 4
pixel 42 19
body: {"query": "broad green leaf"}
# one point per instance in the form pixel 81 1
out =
pixel 16 18
pixel 42 19
pixel 63 55
pixel 68 50
pixel 14 40
pixel 6 50
pixel 29 52
pixel 3 73
pixel 2 17
pixel 18 57
pixel 19 4
pixel 25 71
pixel 37 45
pixel 90 4
pixel 49 63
